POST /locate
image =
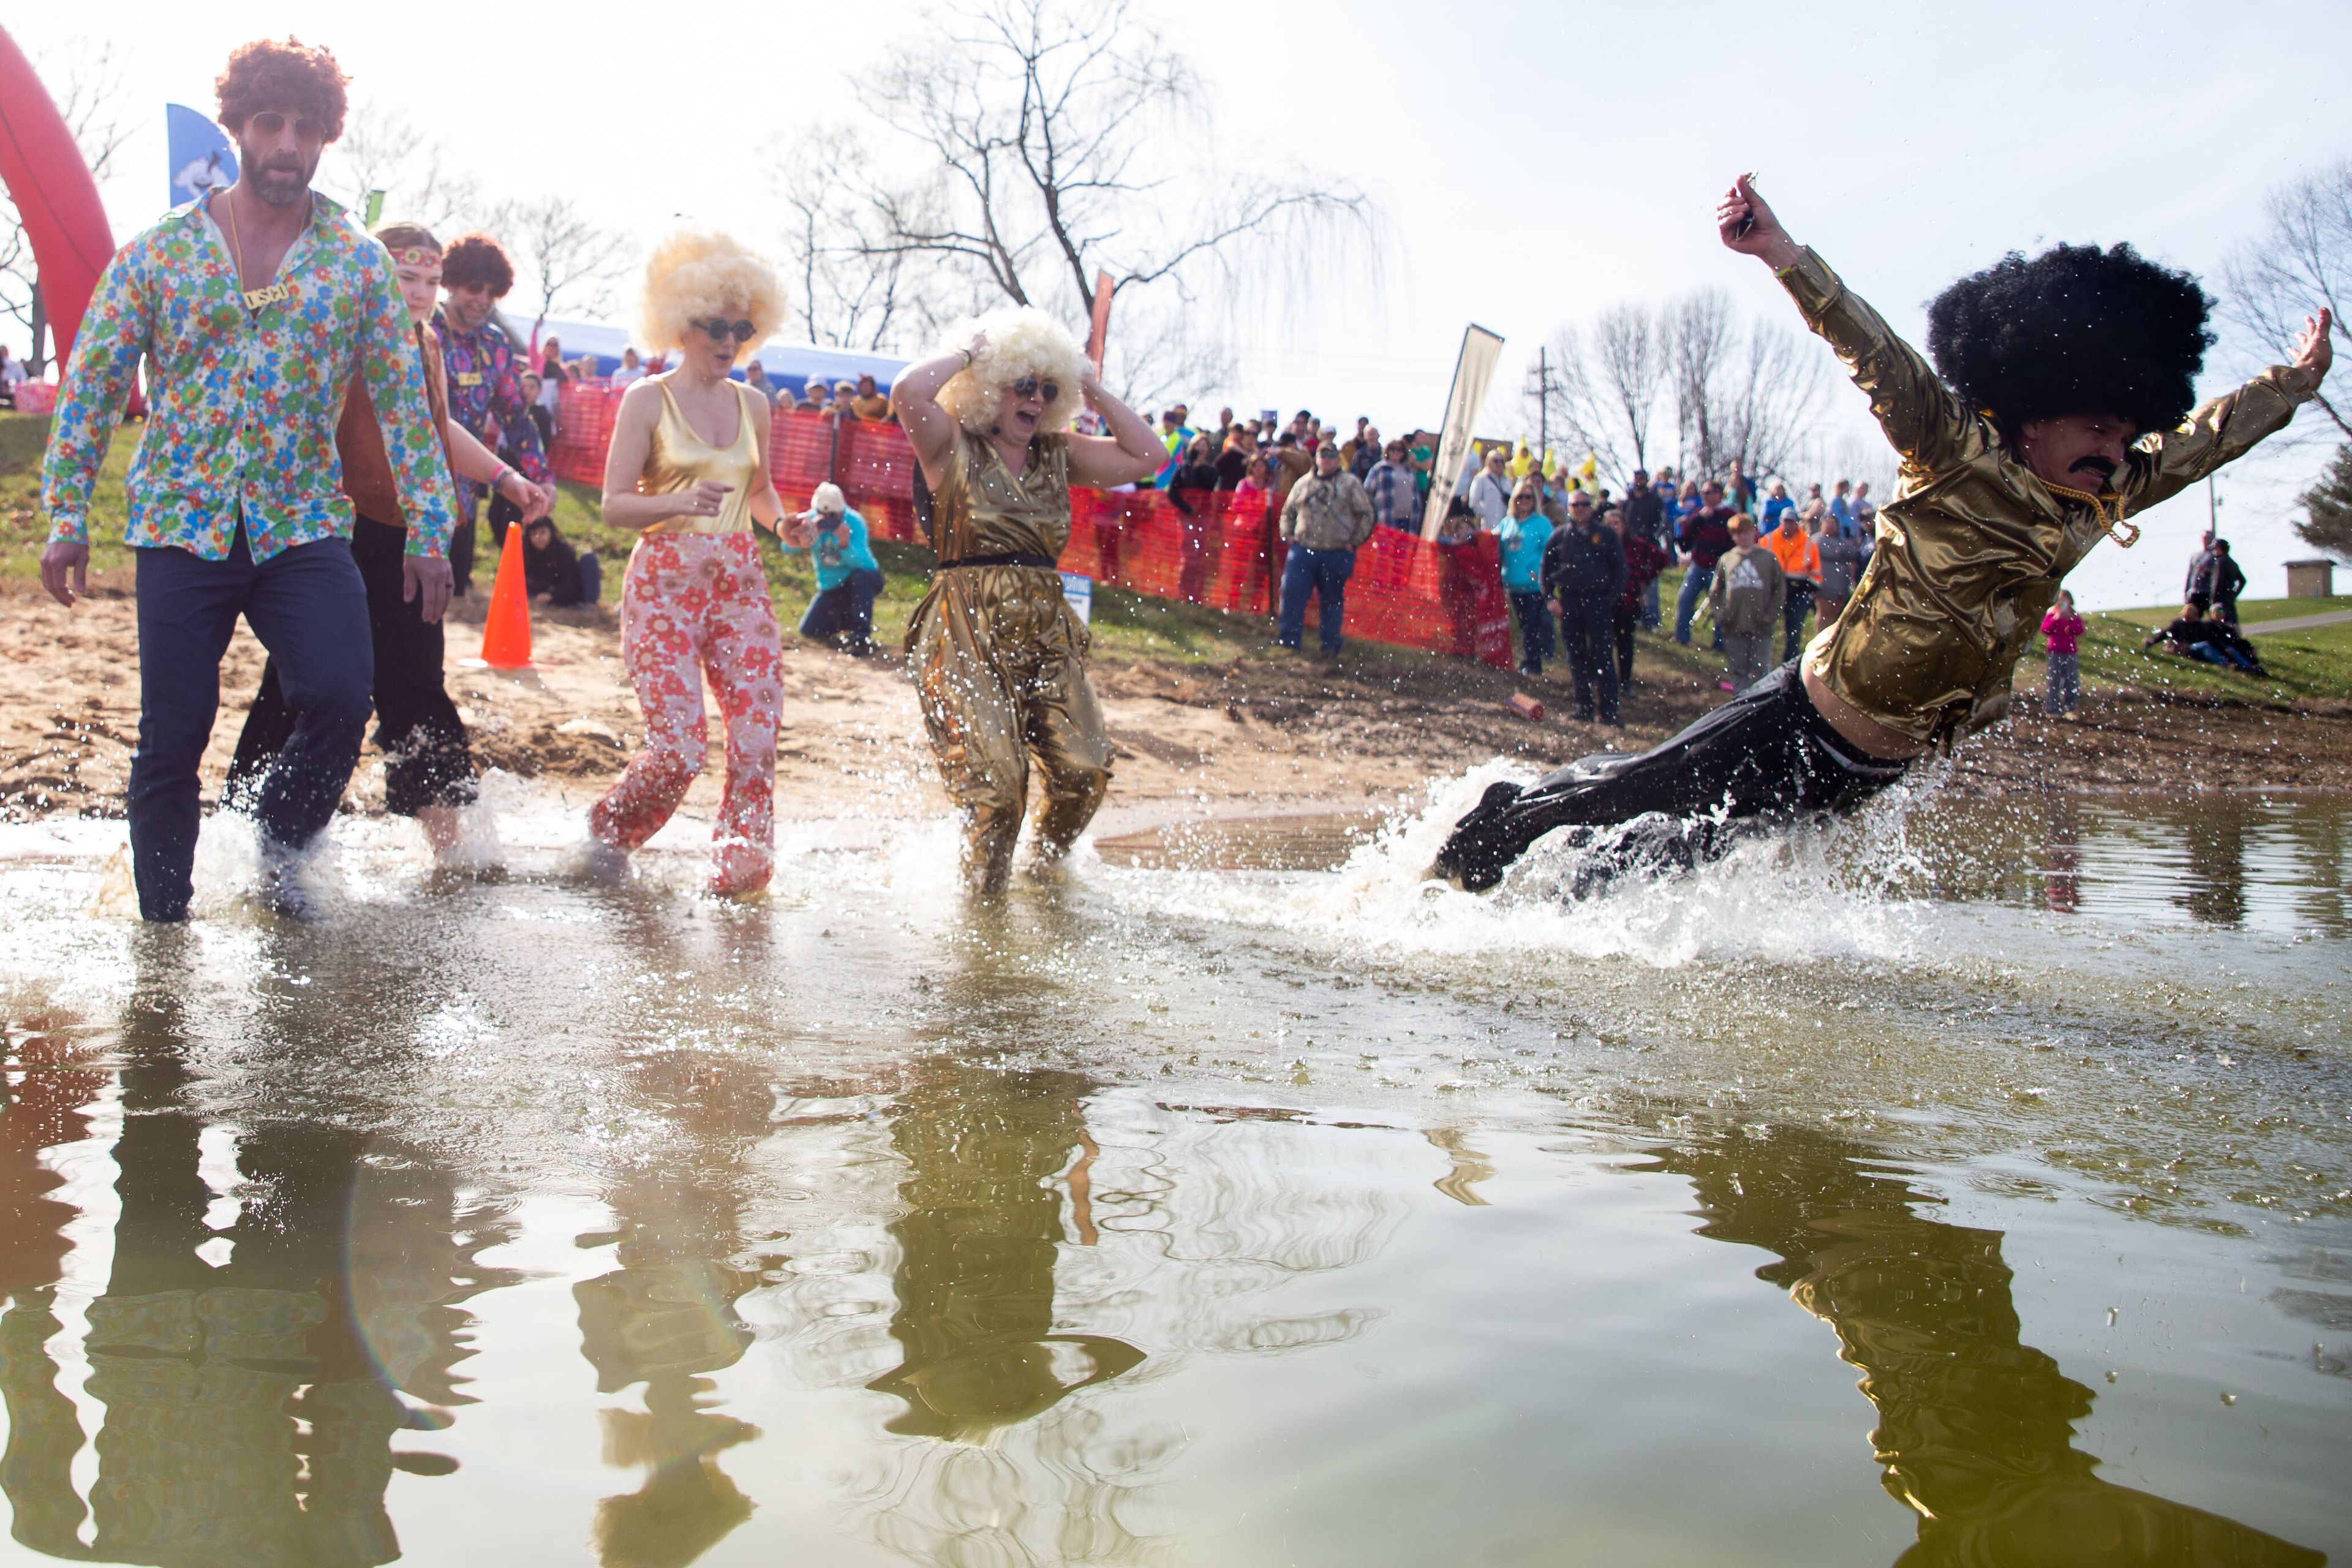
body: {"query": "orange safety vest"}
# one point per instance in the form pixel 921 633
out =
pixel 1798 557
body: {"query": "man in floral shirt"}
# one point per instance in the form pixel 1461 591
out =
pixel 253 307
pixel 485 376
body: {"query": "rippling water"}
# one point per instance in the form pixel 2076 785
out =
pixel 1969 1184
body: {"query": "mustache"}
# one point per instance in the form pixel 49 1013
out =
pixel 2102 467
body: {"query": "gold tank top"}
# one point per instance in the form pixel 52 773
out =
pixel 678 459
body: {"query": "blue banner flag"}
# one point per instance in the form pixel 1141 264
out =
pixel 202 158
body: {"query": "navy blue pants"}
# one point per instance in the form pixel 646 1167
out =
pixel 844 611
pixel 1323 574
pixel 1535 641
pixel 309 608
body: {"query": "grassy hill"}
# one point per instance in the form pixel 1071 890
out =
pixel 2317 662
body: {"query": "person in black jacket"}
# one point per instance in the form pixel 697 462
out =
pixel 1193 491
pixel 1584 573
pixel 553 572
pixel 2206 641
pixel 1644 516
pixel 2224 581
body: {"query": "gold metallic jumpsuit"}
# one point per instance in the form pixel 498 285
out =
pixel 1971 549
pixel 1000 657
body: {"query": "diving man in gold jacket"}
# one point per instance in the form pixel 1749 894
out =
pixel 999 657
pixel 2057 406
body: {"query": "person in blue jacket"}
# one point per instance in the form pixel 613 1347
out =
pixel 1523 534
pixel 848 578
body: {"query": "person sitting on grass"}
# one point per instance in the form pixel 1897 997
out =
pixel 848 578
pixel 2194 634
pixel 554 573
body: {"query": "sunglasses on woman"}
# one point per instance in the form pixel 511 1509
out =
pixel 718 330
pixel 1030 386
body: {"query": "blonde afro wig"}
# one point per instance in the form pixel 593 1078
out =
pixel 697 273
pixel 1022 341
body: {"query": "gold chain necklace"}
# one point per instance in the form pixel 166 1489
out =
pixel 256 300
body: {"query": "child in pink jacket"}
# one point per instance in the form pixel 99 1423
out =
pixel 2064 630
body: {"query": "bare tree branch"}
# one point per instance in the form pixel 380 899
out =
pixel 566 257
pixel 2300 264
pixel 380 150
pixel 1603 389
pixel 1051 144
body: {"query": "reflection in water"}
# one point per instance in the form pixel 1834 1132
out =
pixel 2215 889
pixel 1976 1429
pixel 667 1315
pixel 249 1412
pixel 2238 861
pixel 990 1147
pixel 245 1419
pixel 2062 857
pixel 978 1244
pixel 1470 1167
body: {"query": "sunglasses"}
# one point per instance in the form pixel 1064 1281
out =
pixel 1030 386
pixel 269 123
pixel 718 331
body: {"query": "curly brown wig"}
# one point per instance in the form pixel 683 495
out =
pixel 2075 330
pixel 285 75
pixel 474 259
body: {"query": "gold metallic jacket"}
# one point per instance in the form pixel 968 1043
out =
pixel 1971 549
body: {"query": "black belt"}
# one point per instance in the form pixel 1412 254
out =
pixel 1011 558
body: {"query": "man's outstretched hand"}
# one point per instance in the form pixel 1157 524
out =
pixel 1746 221
pixel 65 572
pixel 2313 351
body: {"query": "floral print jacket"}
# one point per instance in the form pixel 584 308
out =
pixel 485 379
pixel 243 405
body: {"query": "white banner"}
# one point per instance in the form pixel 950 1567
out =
pixel 1472 373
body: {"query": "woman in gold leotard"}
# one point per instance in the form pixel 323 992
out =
pixel 688 469
pixel 999 657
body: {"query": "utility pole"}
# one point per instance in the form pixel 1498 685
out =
pixel 1543 406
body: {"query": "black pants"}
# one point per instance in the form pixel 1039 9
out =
pixel 1765 753
pixel 1628 616
pixel 417 729
pixel 304 603
pixel 1792 617
pixel 1587 627
pixel 844 612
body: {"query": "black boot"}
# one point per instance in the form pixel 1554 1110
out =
pixel 1482 843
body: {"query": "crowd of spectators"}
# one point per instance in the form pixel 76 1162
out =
pixel 1571 594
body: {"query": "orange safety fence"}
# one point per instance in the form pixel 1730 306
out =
pixel 1204 548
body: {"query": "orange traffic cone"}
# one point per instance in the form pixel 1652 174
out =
pixel 506 632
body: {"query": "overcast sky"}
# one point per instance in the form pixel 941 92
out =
pixel 1533 162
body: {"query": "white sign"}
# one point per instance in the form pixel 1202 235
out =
pixel 1471 372
pixel 1080 593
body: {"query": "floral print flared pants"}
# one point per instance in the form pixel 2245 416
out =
pixel 695 605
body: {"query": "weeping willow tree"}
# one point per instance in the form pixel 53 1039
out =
pixel 1031 147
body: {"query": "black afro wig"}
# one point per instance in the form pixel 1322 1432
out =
pixel 2075 330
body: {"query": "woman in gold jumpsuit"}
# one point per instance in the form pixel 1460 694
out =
pixel 999 657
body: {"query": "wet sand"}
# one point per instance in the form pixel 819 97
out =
pixel 1249 735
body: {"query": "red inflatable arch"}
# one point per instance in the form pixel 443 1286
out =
pixel 54 193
